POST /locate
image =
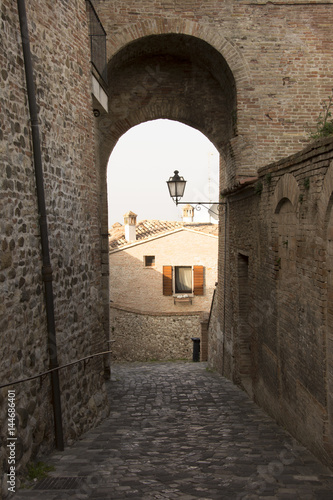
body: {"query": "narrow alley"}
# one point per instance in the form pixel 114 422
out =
pixel 179 431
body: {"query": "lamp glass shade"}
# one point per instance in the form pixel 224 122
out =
pixel 176 185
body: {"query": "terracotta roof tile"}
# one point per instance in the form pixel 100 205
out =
pixel 146 229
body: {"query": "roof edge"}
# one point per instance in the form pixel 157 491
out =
pixel 152 238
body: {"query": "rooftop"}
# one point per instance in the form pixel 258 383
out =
pixel 146 229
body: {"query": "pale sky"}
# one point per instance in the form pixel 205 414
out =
pixel 144 159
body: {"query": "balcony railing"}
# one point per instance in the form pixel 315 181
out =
pixel 97 43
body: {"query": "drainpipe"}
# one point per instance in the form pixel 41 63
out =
pixel 46 269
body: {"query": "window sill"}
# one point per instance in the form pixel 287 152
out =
pixel 181 299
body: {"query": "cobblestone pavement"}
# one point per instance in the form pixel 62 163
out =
pixel 178 431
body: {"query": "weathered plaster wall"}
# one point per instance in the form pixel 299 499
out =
pixel 275 338
pixel 60 52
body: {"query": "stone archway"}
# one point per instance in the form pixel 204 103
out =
pixel 174 76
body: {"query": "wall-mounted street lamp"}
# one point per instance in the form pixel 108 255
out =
pixel 176 185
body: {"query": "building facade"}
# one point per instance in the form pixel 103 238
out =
pixel 161 287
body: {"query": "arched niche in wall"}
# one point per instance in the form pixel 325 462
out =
pixel 286 198
pixel 325 254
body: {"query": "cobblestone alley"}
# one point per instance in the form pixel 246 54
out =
pixel 178 431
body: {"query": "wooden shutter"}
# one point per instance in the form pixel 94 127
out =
pixel 198 280
pixel 167 280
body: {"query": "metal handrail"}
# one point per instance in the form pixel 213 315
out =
pixel 43 374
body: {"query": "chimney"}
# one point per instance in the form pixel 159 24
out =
pixel 130 226
pixel 188 213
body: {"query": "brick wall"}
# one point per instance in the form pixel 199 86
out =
pixel 250 75
pixel 256 72
pixel 204 340
pixel 274 334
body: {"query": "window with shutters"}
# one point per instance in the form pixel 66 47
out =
pixel 183 279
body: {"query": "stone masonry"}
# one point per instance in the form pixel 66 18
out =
pixel 60 52
pixel 151 337
pixel 250 75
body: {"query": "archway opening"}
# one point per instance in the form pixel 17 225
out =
pixel 176 77
pixel 169 76
pixel 163 257
pixel 146 156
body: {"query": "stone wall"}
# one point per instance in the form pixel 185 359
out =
pixel 273 333
pixel 63 90
pixel 152 337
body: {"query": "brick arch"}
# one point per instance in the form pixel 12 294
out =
pixel 163 73
pixel 241 150
pixel 158 26
pixel 286 188
pixel 110 127
pixel 285 204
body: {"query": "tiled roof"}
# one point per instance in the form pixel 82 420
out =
pixel 146 229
